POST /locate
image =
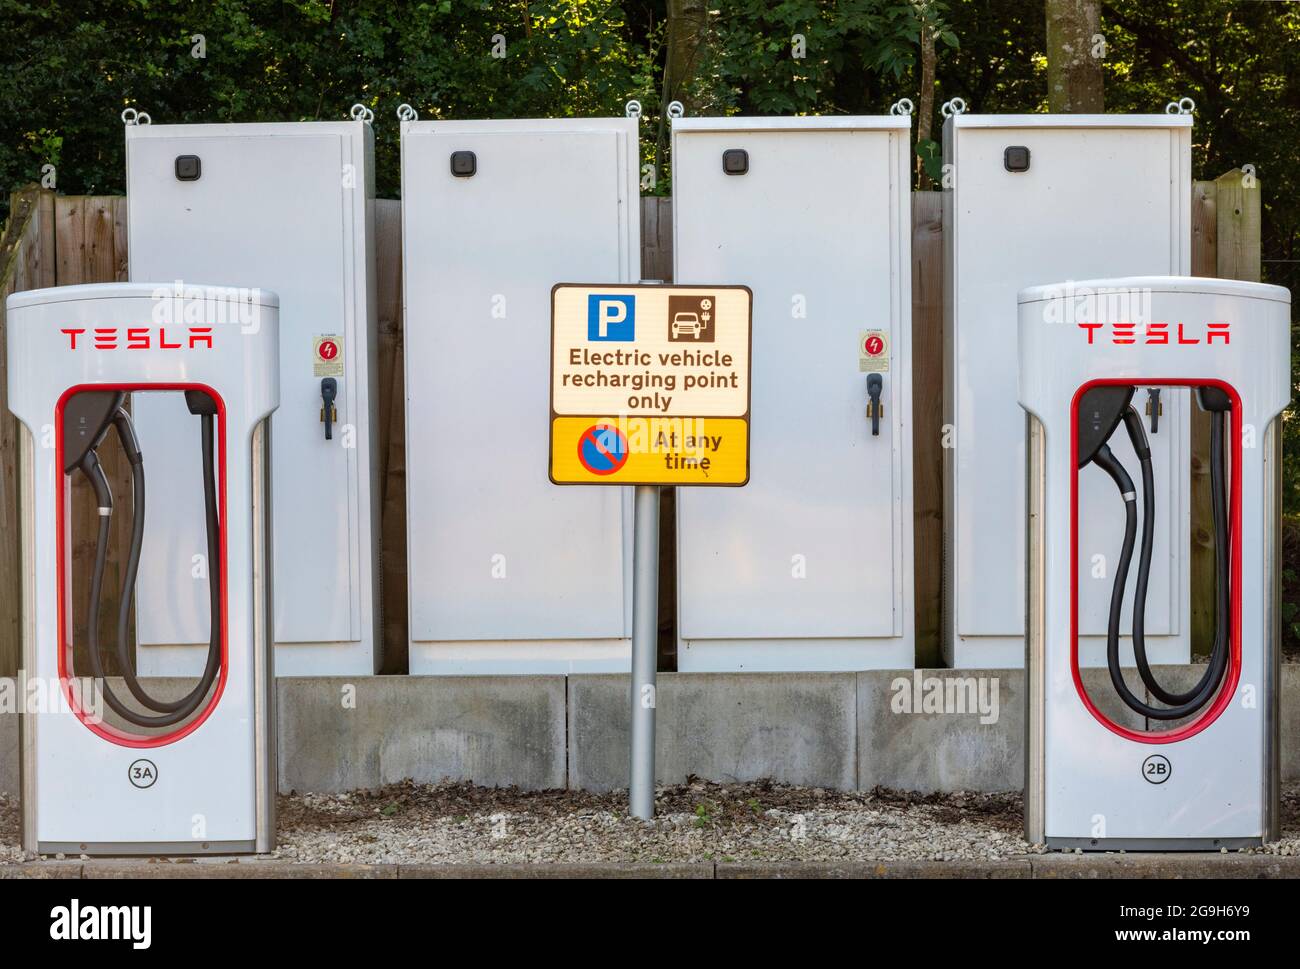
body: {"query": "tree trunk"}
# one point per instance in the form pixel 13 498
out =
pixel 925 101
pixel 683 45
pixel 1074 77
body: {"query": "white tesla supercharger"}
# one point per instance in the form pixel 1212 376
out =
pixel 1154 760
pixel 112 764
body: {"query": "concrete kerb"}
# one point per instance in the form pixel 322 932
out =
pixel 1053 866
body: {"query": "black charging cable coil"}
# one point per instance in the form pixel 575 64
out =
pixel 1100 415
pixel 81 453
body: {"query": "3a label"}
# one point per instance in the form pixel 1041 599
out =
pixel 142 774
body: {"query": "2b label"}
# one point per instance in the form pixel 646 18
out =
pixel 1156 769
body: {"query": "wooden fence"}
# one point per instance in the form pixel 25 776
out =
pixel 57 241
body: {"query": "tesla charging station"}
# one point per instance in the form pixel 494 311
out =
pixel 1155 764
pixel 809 567
pixel 1030 199
pixel 113 771
pixel 289 208
pixel 507 573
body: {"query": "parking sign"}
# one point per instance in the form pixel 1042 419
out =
pixel 650 384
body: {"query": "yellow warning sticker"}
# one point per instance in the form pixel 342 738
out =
pixel 650 450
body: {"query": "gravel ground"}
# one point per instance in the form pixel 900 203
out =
pixel 694 822
pixel 10 834
pixel 459 823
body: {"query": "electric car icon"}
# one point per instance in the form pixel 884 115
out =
pixel 687 323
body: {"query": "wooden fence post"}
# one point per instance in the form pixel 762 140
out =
pixel 1238 211
pixel 927 424
pixel 1205 235
pixel 391 420
pixel 1225 244
pixel 26 262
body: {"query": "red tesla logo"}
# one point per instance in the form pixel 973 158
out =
pixel 139 338
pixel 1159 334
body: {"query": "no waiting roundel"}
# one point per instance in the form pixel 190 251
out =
pixel 602 449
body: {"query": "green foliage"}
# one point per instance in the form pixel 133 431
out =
pixel 809 57
pixel 931 154
pixel 69 68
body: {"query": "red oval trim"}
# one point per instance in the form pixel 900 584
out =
pixel 105 730
pixel 1233 673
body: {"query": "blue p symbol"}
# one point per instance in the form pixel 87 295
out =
pixel 611 317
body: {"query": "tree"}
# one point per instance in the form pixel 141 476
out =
pixel 687 25
pixel 1074 57
pixel 928 161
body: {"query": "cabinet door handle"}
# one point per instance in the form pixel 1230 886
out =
pixel 875 384
pixel 329 389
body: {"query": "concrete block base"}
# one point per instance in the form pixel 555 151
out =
pixel 796 729
pixel 916 730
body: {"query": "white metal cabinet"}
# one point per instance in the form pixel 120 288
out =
pixel 507 572
pixel 1104 195
pixel 809 566
pixel 286 207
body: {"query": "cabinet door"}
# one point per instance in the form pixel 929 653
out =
pixel 268 211
pixel 1063 228
pixel 496 551
pixel 809 547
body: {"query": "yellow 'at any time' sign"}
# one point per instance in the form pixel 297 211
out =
pixel 650 384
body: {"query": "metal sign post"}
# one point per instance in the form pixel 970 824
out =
pixel 645 650
pixel 649 387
